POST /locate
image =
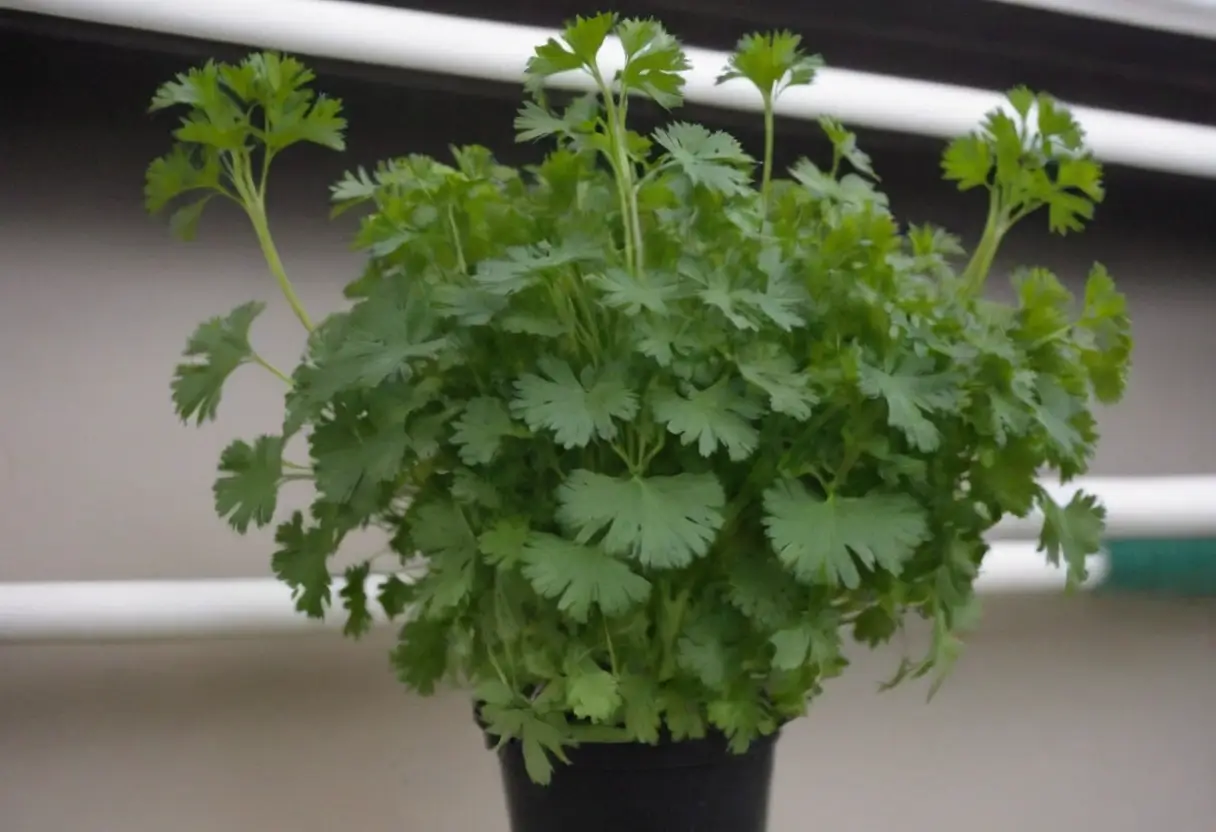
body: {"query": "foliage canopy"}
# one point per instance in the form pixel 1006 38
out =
pixel 659 424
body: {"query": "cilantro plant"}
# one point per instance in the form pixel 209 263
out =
pixel 659 426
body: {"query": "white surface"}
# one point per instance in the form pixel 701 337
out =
pixel 72 611
pixel 368 33
pixel 1188 17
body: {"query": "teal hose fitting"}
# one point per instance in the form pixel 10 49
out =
pixel 1184 567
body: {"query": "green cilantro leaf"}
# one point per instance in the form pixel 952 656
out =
pixel 441 533
pixel 715 417
pixel 217 348
pixel 844 146
pixel 773 371
pixel 248 489
pixel 354 599
pixel 714 160
pixel 659 521
pixel 702 654
pixel 683 715
pixel 504 542
pixel 1072 532
pixel 481 428
pixel 574 409
pixel 628 293
pixel 822 541
pixel 581 577
pixel 1104 334
pixel 912 392
pixel 817 642
pixel 741 720
pixel 354 455
pixel 301 561
pixel 178 172
pixel 772 62
pixel 592 693
pixel 421 654
pixel 538 122
pixel 643 716
pixel 654 62
pixel 383 337
pixel 394 596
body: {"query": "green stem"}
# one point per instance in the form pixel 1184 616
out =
pixel 980 264
pixel 770 132
pixel 672 623
pixel 257 215
pixel 621 170
pixel 460 261
pixel 253 197
pixel 262 362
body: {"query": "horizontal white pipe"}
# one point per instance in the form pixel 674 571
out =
pixel 1187 17
pixel 1169 507
pixel 156 609
pixel 374 34
pixel 77 611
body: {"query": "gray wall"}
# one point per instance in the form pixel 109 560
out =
pixel 1065 715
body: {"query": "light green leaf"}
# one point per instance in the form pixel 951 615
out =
pixel 215 350
pixel 822 541
pixel 661 522
pixel 248 490
pixel 773 371
pixel 792 646
pixel 384 336
pixel 353 456
pixel 682 714
pixel 911 392
pixel 742 719
pixel 441 532
pixel 772 62
pixel 301 561
pixel 421 654
pixel 640 696
pixel 503 544
pixel 715 417
pixel 702 653
pixel 574 409
pixel 592 693
pixel 481 428
pixel 714 160
pixel 581 577
pixel 630 294
pixel 1072 532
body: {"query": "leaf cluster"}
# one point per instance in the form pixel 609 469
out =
pixel 663 428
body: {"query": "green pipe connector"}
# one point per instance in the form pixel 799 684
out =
pixel 1174 567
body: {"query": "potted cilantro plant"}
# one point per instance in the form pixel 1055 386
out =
pixel 659 426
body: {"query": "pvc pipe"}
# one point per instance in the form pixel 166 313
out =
pixel 72 611
pixel 88 611
pixel 1186 17
pixel 1136 507
pixel 407 39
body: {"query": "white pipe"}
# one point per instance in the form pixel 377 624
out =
pixel 88 611
pixel 1160 507
pixel 1187 17
pixel 71 611
pixel 374 34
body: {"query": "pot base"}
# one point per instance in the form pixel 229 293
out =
pixel 692 786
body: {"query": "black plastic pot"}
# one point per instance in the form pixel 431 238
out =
pixel 693 786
